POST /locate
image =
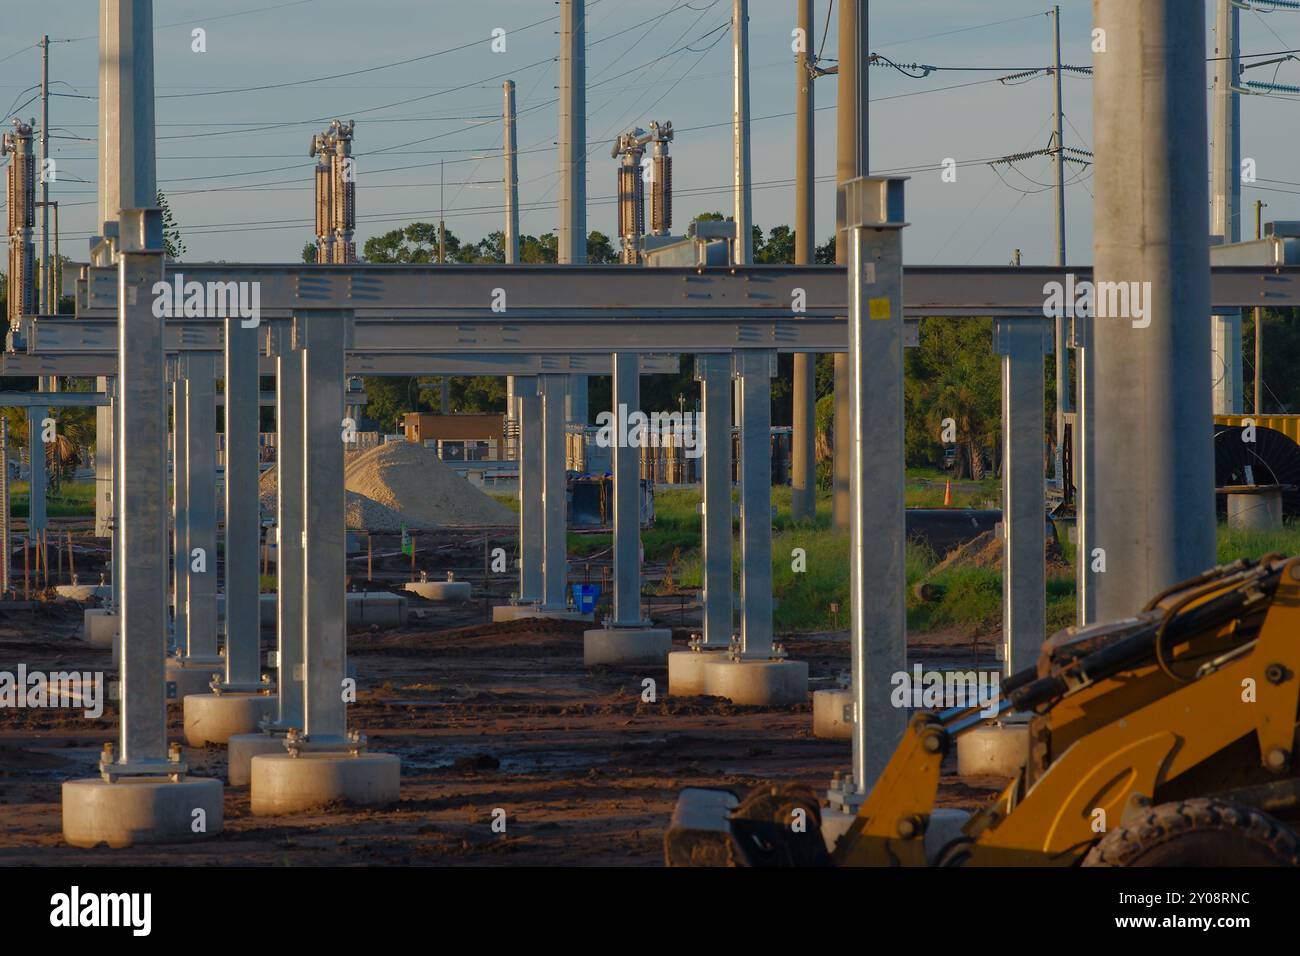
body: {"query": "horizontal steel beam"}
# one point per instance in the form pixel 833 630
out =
pixel 52 399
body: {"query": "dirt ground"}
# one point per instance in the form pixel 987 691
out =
pixel 483 716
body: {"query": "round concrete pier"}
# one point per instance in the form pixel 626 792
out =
pixel 1256 510
pixel 240 751
pixel 83 592
pixel 282 783
pixel 441 590
pixel 626 645
pixel 99 626
pixel 757 683
pixel 519 612
pixel 215 718
pixel 997 750
pixel 192 677
pixel 140 810
pixel 686 671
pixel 833 714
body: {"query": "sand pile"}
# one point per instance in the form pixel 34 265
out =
pixel 402 483
pixel 985 551
pixel 410 479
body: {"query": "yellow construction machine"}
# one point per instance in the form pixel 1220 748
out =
pixel 1166 739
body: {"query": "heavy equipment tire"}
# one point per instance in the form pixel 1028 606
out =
pixel 763 834
pixel 1199 832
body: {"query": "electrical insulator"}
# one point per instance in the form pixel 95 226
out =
pixel 631 203
pixel 661 201
pixel 322 200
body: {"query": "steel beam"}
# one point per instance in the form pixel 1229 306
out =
pixel 754 377
pixel 713 372
pixel 553 389
pixel 1022 347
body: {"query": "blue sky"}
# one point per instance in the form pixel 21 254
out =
pixel 236 169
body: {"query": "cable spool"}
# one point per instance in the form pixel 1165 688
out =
pixel 1271 459
pixel 661 203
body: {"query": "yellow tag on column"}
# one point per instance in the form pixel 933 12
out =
pixel 878 308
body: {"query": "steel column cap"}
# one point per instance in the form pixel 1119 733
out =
pixel 874 202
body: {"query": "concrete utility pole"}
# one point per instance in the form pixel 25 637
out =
pixel 1259 322
pixel 851 162
pixel 803 472
pixel 573 164
pixel 741 199
pixel 1154 457
pixel 510 245
pixel 1225 199
pixel 46 272
pixel 1062 353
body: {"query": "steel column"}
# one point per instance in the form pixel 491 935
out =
pixel 1024 570
pixel 713 372
pixel 532 515
pixel 552 389
pixel 36 523
pixel 180 513
pixel 291 582
pixel 142 518
pixel 104 461
pixel 627 495
pixel 803 464
pixel 324 556
pixel 754 377
pixel 1225 198
pixel 243 524
pixel 201 499
pixel 877 534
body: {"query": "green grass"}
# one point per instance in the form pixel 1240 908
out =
pixel 74 499
pixel 1234 543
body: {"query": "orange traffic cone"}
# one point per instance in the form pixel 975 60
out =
pixel 947 494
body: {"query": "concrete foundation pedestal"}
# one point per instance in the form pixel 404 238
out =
pixel 626 645
pixel 833 714
pixel 83 592
pixel 282 783
pixel 215 718
pixel 140 810
pixel 441 590
pixel 998 750
pixel 240 751
pixel 757 683
pixel 192 677
pixel 518 612
pixel 382 608
pixel 686 671
pixel 99 626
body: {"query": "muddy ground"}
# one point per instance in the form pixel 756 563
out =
pixel 484 716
